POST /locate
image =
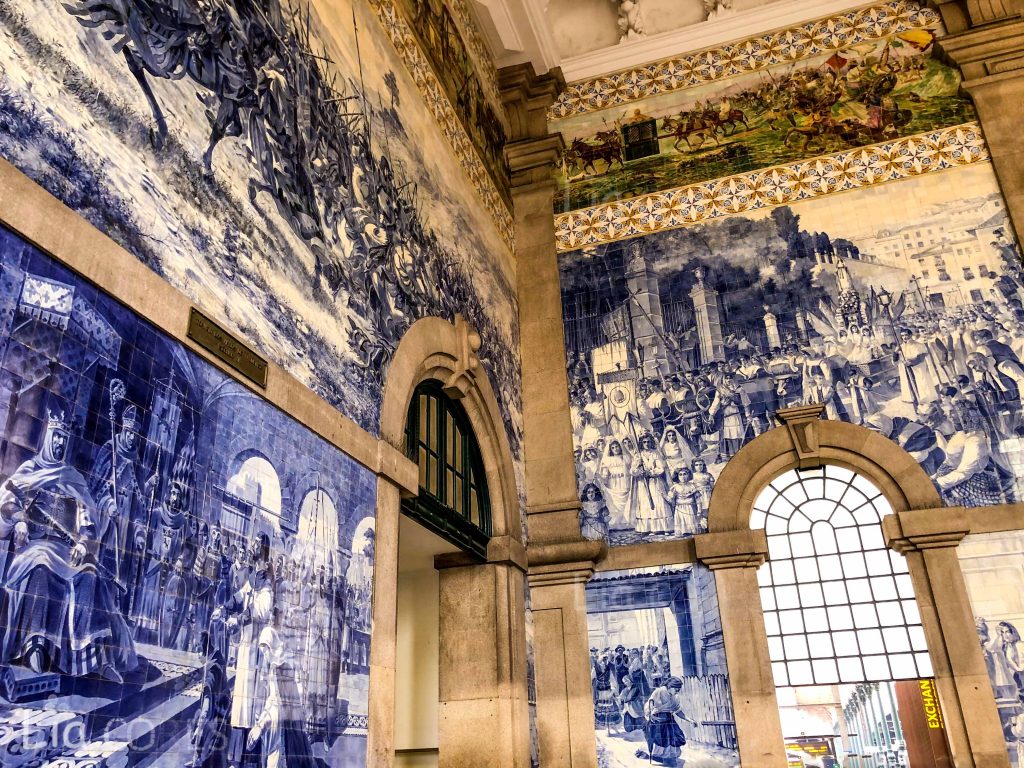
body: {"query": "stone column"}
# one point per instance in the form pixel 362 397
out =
pixel 483 713
pixel 734 557
pixel 560 560
pixel 928 538
pixel 986 40
pixel 709 320
pixel 645 312
pixel 380 747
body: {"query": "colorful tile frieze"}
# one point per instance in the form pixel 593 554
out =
pixel 868 166
pixel 854 95
pixel 475 130
pixel 783 47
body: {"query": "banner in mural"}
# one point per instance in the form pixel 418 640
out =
pixel 660 683
pixel 185 573
pixel 275 162
pixel 869 92
pixel 907 320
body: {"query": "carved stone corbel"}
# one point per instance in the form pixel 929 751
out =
pixel 802 424
pixel 460 381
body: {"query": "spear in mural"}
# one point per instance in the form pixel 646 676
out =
pixel 141 556
pixel 643 464
pixel 117 393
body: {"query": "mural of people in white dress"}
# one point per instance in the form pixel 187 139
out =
pixel 682 344
pixel 185 572
pixel 660 686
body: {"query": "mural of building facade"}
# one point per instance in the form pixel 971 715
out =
pixel 186 573
pixel 864 93
pixel 276 164
pixel 681 345
pixel 660 685
pixel 993 568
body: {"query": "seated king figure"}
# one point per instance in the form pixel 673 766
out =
pixel 61 615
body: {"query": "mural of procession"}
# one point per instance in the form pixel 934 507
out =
pixel 185 573
pixel 682 344
pixel 866 94
pixel 273 161
pixel 658 673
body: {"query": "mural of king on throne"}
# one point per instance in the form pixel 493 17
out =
pixel 183 570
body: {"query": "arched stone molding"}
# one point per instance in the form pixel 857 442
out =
pixel 809 441
pixel 920 528
pixel 435 349
pixel 483 714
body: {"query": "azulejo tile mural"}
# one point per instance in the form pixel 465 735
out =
pixel 908 320
pixel 993 568
pixel 851 95
pixel 660 684
pixel 301 192
pixel 901 159
pixel 186 573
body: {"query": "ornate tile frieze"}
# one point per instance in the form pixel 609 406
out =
pixel 684 206
pixel 739 58
pixel 401 36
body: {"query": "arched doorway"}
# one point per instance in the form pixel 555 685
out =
pixel 462 524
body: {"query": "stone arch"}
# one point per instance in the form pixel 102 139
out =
pixel 807 441
pixel 436 349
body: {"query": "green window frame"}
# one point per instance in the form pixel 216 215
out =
pixel 453 500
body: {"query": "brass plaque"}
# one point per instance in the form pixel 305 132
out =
pixel 211 337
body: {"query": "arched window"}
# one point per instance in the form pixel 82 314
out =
pixel 453 500
pixel 839 606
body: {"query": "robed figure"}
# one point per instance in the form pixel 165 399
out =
pixel 649 510
pixel 61 613
pixel 114 484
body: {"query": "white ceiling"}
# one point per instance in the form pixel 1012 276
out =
pixel 582 37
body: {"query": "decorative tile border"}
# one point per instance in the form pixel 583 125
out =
pixel 743 57
pixel 397 30
pixel 486 69
pixel 685 206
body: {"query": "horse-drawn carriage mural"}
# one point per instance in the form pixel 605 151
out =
pixel 864 94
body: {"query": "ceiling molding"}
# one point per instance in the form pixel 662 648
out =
pixel 517 32
pixel 698 36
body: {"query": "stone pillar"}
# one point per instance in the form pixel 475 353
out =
pixel 380 747
pixel 986 41
pixel 734 557
pixel 709 320
pixel 645 312
pixel 928 538
pixel 483 713
pixel 771 328
pixel 560 560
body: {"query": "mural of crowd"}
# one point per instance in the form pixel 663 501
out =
pixel 186 573
pixel 260 157
pixel 660 688
pixel 682 344
pixel 867 93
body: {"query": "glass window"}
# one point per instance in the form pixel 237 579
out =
pixel 840 594
pixel 453 498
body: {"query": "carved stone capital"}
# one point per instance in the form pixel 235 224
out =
pixel 918 529
pixel 958 15
pixel 989 43
pixel 574 558
pixel 802 424
pixel 732 549
pixel 527 97
pixel 531 161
